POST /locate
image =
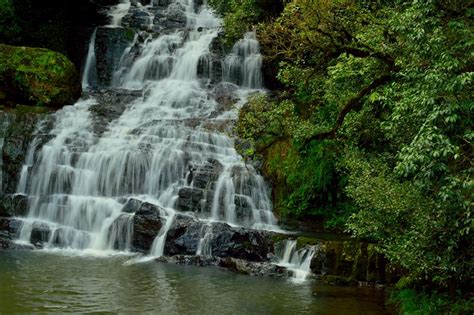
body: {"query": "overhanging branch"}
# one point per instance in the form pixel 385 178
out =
pixel 353 104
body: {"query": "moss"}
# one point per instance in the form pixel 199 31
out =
pixel 276 238
pixel 129 34
pixel 302 241
pixel 37 76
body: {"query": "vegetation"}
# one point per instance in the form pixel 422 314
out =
pixel 372 129
pixel 36 76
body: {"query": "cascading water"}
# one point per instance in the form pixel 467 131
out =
pixel 164 142
pixel 298 261
pixel 89 76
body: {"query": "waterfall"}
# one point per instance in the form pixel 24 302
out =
pixel 298 261
pixel 89 76
pixel 118 12
pixel 168 138
pixel 204 246
pixel 243 65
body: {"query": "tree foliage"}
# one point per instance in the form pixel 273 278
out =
pixel 382 92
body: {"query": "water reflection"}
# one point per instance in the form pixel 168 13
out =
pixel 46 282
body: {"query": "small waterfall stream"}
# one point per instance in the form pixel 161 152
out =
pixel 166 140
pixel 298 261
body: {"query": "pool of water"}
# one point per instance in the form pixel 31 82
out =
pixel 39 281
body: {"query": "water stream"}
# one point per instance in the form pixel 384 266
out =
pixel 79 181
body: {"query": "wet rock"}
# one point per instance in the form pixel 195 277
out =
pixel 147 223
pixel 232 264
pixel 173 17
pixel 191 260
pixel 210 67
pixel 190 199
pixel 347 261
pixel 109 47
pixel 18 127
pixel 137 19
pixel 9 228
pixel 132 205
pixel 40 234
pixel 225 241
pixel 11 245
pixel 13 205
pixel 243 208
pixel 204 175
pixel 111 103
pixel 183 236
pixel 251 245
pixel 254 268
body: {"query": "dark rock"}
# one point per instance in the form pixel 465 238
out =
pixel 11 245
pixel 191 260
pixel 40 234
pixel 348 261
pixel 172 18
pixel 210 67
pixel 147 224
pixel 190 199
pixel 232 264
pixel 18 127
pixel 136 19
pixel 110 105
pixel 204 175
pixel 225 241
pixel 254 268
pixel 183 236
pixel 110 44
pixel 13 205
pixel 251 245
pixel 132 205
pixel 9 228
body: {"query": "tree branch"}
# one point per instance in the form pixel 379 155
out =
pixel 353 104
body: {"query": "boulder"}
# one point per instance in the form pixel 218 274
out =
pixel 37 76
pixel 242 243
pixel 147 223
pixel 40 234
pixel 225 241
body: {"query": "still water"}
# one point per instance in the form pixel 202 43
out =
pixel 34 282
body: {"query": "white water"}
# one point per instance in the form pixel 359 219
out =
pixel 243 65
pixel 118 12
pixel 89 76
pixel 79 180
pixel 204 246
pixel 298 261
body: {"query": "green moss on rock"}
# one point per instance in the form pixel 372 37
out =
pixel 37 76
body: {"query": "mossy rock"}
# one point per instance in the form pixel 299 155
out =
pixel 37 76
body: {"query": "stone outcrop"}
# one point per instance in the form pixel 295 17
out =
pixel 147 223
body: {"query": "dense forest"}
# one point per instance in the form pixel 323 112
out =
pixel 369 129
